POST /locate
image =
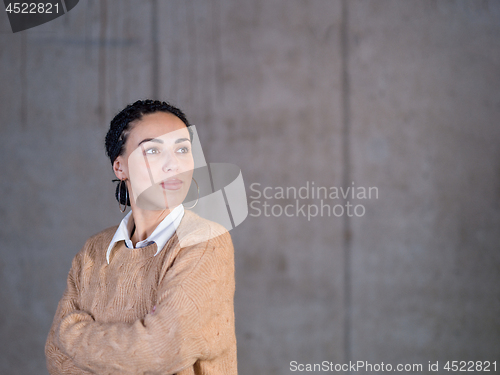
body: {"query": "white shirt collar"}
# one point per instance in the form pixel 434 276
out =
pixel 162 233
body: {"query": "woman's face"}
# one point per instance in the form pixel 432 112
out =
pixel 157 162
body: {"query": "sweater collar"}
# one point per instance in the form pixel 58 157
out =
pixel 162 233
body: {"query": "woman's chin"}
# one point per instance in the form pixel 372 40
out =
pixel 157 198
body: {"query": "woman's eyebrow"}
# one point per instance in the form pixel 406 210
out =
pixel 180 140
pixel 157 140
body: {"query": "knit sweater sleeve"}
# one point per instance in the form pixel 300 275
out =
pixel 189 323
pixel 57 361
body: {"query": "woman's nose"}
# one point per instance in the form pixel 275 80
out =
pixel 171 163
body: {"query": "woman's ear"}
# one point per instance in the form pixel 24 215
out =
pixel 119 168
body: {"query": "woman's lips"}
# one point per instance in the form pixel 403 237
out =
pixel 171 184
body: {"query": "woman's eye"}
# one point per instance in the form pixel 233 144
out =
pixel 183 150
pixel 152 151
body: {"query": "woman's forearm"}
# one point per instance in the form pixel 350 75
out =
pixel 182 329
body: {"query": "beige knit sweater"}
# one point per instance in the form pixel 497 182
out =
pixel 143 314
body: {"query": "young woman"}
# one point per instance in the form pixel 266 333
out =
pixel 153 295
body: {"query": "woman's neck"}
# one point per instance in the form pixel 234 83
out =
pixel 145 222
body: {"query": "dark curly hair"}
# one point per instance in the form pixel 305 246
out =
pixel 120 128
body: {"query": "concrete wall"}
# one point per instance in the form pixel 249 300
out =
pixel 401 96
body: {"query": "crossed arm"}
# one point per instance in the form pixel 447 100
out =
pixel 172 338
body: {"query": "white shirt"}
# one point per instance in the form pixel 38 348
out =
pixel 162 233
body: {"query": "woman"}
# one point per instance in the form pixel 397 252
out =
pixel 153 295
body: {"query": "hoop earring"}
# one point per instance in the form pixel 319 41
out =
pixel 197 199
pixel 120 196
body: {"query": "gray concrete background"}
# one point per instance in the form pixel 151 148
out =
pixel 402 96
